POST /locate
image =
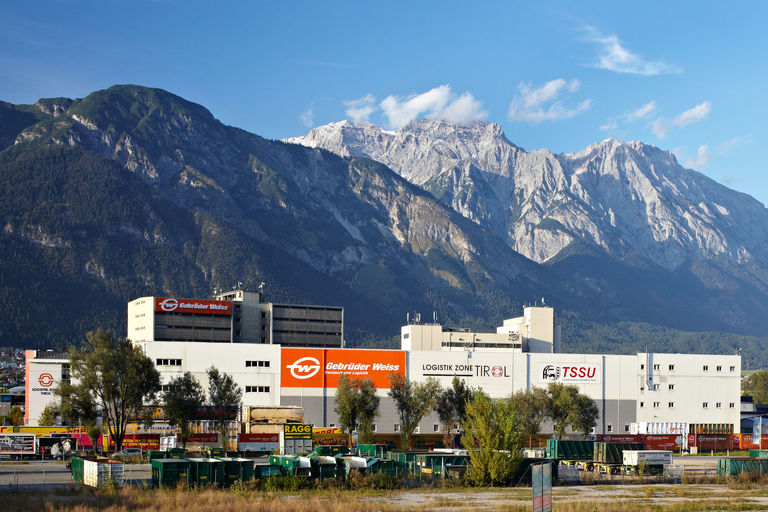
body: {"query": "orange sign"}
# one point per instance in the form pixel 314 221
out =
pixel 317 368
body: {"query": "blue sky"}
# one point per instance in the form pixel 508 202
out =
pixel 689 77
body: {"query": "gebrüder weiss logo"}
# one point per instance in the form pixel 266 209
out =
pixel 45 379
pixel 169 305
pixel 304 368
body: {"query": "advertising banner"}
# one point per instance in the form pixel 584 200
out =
pixel 143 441
pixel 206 307
pixel 569 373
pixel 620 438
pixel 317 368
pixel 205 437
pixel 258 442
pixel 297 432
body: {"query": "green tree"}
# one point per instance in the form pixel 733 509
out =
pixel 48 416
pixel 182 398
pixel 16 417
pixel 346 404
pixel 227 399
pixel 531 408
pixel 413 401
pixel 492 437
pixel 566 407
pixel 368 409
pixel 451 407
pixel 117 376
pixel 756 385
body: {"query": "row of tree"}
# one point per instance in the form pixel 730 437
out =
pixel 493 431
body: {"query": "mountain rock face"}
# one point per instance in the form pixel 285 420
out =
pixel 664 231
pixel 134 191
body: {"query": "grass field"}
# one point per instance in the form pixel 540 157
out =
pixel 744 493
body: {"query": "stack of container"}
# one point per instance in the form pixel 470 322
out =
pixel 97 472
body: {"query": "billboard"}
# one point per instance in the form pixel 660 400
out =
pixel 569 373
pixel 206 307
pixel 317 368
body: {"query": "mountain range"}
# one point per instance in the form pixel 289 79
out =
pixel 134 191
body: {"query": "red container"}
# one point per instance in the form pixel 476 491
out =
pixel 717 442
pixel 663 441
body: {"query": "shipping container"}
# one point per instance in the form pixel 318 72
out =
pixel 205 471
pixel 170 472
pixel 674 442
pixel 97 472
pixel 266 470
pixel 373 450
pixel 731 466
pixel 648 457
pixel 758 454
pixel 18 446
pixel 322 466
pixel 261 443
pixel 717 442
pixel 236 468
pixel 571 450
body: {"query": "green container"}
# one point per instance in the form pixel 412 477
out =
pixel 330 450
pixel 731 466
pixel 206 471
pixel 612 453
pixel 266 470
pixel 170 472
pixel 322 468
pixel 156 454
pixel 216 453
pixel 374 450
pixel 77 469
pixel 236 468
pixel 570 450
pixel 758 454
pixel 177 453
pixel 292 464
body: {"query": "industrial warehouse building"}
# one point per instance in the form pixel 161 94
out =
pixel 523 353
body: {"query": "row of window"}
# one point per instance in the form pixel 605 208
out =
pixel 705 367
pixel 168 362
pixel 396 428
pixel 259 364
pixel 705 405
pixel 656 387
pixel 480 345
pixel 257 389
pixel 283 331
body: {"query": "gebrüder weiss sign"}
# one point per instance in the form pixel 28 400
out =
pixel 205 307
pixel 569 373
pixel 316 368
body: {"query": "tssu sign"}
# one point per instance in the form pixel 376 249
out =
pixel 569 373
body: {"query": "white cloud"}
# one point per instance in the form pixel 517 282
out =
pixel 361 109
pixel 306 117
pixel 546 102
pixel 642 112
pixel 700 160
pixel 609 126
pixel 615 57
pixel 729 145
pixel 693 115
pixel 661 126
pixel 437 103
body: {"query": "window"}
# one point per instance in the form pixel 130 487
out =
pixel 655 387
pixel 671 405
pixel 733 368
pixel 706 368
pixel 671 387
pixel 642 367
pixel 374 427
pixel 417 430
pixel 642 388
pixel 257 389
pixel 168 362
pixel 656 366
pixel 656 405
pixel 610 428
pixel 435 428
pixel 719 368
pixel 705 405
pixel 626 428
pixel 719 405
pixel 731 405
pixel 671 367
pixel 642 404
pixel 259 364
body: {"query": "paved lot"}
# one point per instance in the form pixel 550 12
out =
pixel 50 475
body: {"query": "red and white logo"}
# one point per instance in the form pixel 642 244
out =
pixel 304 368
pixel 45 379
pixel 497 371
pixel 169 305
